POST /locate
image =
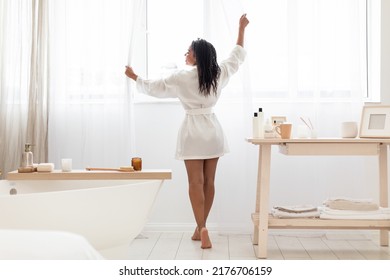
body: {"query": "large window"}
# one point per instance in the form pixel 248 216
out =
pixel 297 49
pixel 171 27
pixel 310 48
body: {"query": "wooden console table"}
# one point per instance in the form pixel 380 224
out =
pixel 315 147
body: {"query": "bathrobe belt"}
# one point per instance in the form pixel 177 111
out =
pixel 200 111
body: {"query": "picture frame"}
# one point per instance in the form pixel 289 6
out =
pixel 375 122
pixel 278 119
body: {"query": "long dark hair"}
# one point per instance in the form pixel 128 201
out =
pixel 208 68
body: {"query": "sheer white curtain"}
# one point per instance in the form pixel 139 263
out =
pixel 38 101
pixel 23 81
pixel 91 116
pixel 305 58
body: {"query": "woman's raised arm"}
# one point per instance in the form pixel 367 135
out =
pixel 241 30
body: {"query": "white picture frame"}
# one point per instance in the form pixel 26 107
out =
pixel 375 122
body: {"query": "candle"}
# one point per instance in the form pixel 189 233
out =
pixel 136 162
pixel 66 164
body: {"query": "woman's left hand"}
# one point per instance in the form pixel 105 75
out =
pixel 130 73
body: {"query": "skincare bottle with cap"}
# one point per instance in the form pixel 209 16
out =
pixel 27 157
pixel 255 125
pixel 261 123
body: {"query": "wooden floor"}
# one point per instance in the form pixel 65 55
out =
pixel 281 246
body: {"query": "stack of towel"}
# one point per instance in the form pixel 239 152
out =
pixel 348 208
pixel 295 211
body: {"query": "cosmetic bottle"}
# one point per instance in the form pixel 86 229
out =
pixel 268 126
pixel 255 125
pixel 260 115
pixel 27 157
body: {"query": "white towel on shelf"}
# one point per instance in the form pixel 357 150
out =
pixel 380 214
pixel 351 204
pixel 296 211
pixel 296 208
pixel 350 199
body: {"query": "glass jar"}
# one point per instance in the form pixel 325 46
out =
pixel 136 162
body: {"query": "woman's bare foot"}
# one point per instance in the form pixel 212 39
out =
pixel 196 235
pixel 205 239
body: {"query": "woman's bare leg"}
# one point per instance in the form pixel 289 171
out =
pixel 209 170
pixel 201 175
pixel 195 182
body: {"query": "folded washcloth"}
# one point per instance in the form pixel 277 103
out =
pixel 45 167
pixel 281 214
pixel 296 208
pixel 351 204
pixel 350 199
pixel 298 211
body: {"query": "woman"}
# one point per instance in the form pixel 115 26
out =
pixel 201 140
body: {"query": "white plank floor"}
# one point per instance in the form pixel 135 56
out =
pixel 281 246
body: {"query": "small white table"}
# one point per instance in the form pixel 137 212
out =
pixel 315 147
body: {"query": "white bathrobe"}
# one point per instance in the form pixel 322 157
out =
pixel 201 135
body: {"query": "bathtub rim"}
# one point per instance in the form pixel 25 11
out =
pixel 79 174
pixel 49 188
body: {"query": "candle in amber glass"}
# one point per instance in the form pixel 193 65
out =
pixel 136 163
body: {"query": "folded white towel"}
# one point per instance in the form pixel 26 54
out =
pixel 348 204
pixel 380 214
pixel 296 208
pixel 283 214
pixel 330 211
pixel 342 198
pixel 355 217
pixel 45 167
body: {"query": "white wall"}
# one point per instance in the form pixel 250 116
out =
pixel 385 52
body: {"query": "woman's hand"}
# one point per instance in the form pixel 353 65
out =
pixel 130 73
pixel 241 30
pixel 243 22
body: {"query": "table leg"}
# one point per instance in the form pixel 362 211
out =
pixel 262 196
pixel 383 189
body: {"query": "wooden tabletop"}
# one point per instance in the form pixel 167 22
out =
pixel 148 174
pixel 317 140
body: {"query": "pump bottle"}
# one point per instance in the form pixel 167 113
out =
pixel 261 123
pixel 255 125
pixel 27 157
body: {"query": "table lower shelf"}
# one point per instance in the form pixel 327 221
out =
pixel 316 223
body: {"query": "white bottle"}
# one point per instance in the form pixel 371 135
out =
pixel 27 157
pixel 268 126
pixel 255 125
pixel 260 116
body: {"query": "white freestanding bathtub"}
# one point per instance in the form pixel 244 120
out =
pixel 108 208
